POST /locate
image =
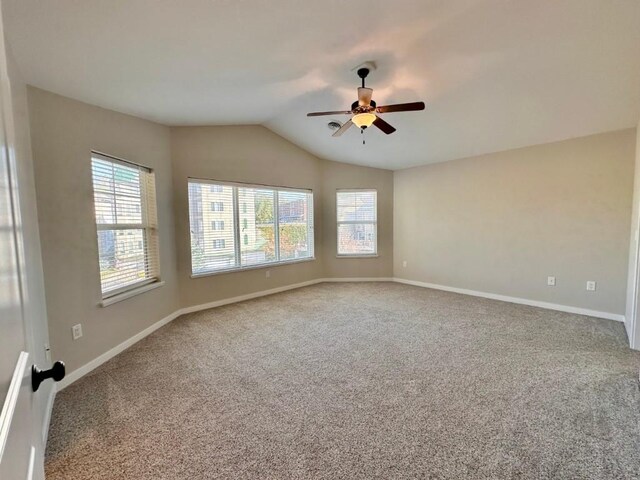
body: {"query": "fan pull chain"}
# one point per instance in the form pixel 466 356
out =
pixel 362 132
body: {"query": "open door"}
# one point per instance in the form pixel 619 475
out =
pixel 23 332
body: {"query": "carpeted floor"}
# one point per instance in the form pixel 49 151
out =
pixel 358 381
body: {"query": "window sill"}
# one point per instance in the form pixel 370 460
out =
pixel 252 267
pixel 375 255
pixel 130 293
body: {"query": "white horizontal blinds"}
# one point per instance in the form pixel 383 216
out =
pixel 212 224
pixel 239 226
pixel 126 218
pixel 357 222
pixel 295 225
pixel 256 213
pixel 150 221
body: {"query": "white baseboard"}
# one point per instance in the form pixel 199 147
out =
pixel 248 296
pixel 109 354
pixel 523 301
pixel 264 293
pixel 96 362
pixel 357 279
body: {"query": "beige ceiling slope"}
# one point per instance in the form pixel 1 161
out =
pixel 495 74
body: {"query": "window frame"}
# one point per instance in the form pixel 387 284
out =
pixel 240 208
pixel 150 234
pixel 357 222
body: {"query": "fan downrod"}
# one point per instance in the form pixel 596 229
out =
pixel 362 73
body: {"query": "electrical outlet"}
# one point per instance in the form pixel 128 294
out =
pixel 551 281
pixel 76 330
pixel 404 264
pixel 591 286
pixel 268 273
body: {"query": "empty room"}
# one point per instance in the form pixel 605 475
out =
pixel 319 240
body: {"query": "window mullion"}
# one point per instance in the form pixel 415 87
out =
pixel 236 226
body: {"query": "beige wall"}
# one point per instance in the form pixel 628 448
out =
pixel 502 223
pixel 254 154
pixel 250 154
pixel 343 176
pixel 496 223
pixel 63 133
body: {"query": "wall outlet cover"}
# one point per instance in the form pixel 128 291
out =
pixel 551 281
pixel 591 286
pixel 76 330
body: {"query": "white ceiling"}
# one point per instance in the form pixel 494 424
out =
pixel 495 74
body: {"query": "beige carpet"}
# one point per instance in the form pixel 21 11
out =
pixel 358 381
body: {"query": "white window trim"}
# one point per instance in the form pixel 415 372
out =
pixel 253 267
pixel 236 233
pixel 131 290
pixel 338 223
pixel 139 288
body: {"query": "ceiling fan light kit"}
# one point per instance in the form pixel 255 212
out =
pixel 364 111
pixel 363 120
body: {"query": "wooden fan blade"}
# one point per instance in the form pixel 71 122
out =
pixel 401 107
pixel 384 126
pixel 342 129
pixel 364 96
pixel 338 112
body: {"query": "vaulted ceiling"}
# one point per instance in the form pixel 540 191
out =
pixel 495 74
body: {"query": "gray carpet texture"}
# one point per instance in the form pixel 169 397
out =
pixel 358 381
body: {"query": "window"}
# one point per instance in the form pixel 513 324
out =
pixel 357 222
pixel 215 188
pixel 126 219
pixel 217 225
pixel 265 226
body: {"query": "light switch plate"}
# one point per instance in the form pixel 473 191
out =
pixel 551 281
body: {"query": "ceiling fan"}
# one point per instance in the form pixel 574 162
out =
pixel 364 110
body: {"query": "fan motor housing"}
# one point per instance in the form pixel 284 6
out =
pixel 356 108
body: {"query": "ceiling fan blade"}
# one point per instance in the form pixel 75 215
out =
pixel 338 112
pixel 401 107
pixel 342 129
pixel 384 126
pixel 364 96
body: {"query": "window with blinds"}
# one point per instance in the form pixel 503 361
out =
pixel 236 226
pixel 357 222
pixel 126 219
